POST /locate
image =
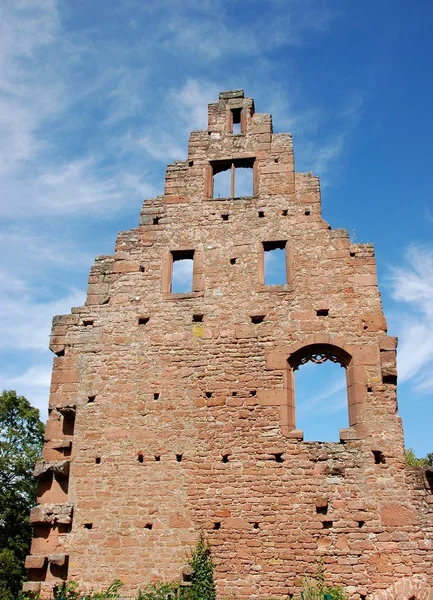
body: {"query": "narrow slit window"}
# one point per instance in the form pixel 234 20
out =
pixel 236 121
pixel 233 179
pixel 182 274
pixel 275 263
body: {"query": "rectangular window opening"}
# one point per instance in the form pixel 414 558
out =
pixel 233 178
pixel 275 263
pixel 182 274
pixel 236 121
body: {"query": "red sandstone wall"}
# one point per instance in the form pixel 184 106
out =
pixel 170 425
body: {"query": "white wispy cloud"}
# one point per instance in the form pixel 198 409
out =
pixel 26 321
pixel 33 383
pixel 412 284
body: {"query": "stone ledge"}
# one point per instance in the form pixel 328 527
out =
pixel 52 513
pixel 43 468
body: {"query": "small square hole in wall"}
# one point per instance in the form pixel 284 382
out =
pixel 148 526
pixel 142 269
pixel 322 312
pixel 225 217
pixel 285 212
pixel 156 220
pixel 208 394
pixel 275 160
pixel 190 163
pixel 379 457
pixel 91 399
pixel 261 214
pixel 256 525
pixel 253 393
pixel 98 460
pixel 156 395
pixel 369 389
pixel 140 458
pixel 197 318
pixel 157 458
pixel 143 320
pixel 278 456
pixel 60 353
pixel 88 322
pixel 307 213
pixel 361 524
pixel 389 379
pixel 217 525
pixel 234 394
pixel 179 457
pixel 88 525
pixel 256 319
pixel 429 480
pixel 352 254
pixel 233 261
pixel 322 510
pixel 225 458
pixel 327 524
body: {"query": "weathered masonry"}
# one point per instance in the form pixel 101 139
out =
pixel 173 408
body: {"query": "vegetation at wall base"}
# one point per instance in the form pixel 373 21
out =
pixel 21 436
pixel 314 588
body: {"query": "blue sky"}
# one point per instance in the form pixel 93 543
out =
pixel 96 98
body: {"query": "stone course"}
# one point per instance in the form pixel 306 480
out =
pixel 171 412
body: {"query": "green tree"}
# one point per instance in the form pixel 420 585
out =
pixel 21 436
pixel 413 461
pixel 202 583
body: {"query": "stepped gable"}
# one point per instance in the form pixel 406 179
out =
pixel 174 409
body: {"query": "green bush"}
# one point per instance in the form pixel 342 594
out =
pixel 315 588
pixel 69 591
pixel 202 582
pixel 159 591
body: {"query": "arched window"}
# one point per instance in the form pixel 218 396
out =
pixel 318 354
pixel 321 395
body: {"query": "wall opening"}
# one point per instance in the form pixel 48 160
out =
pixel 68 424
pixel 182 273
pixel 379 457
pixel 429 479
pixel 236 121
pixel 321 397
pixel 275 263
pixel 233 178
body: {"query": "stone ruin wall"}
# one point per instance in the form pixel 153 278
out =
pixel 175 412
